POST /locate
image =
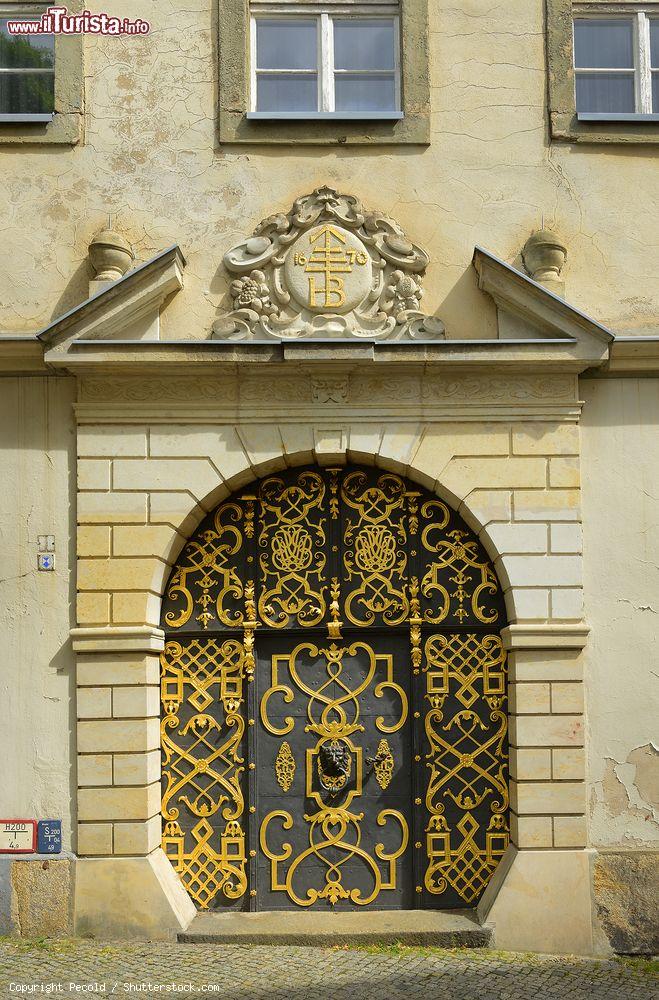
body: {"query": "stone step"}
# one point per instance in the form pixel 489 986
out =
pixel 437 928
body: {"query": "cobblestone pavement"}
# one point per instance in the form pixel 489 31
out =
pixel 239 972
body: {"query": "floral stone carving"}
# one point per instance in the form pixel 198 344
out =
pixel 327 270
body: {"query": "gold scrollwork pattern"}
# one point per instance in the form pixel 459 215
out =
pixel 206 580
pixel 459 583
pixel 375 548
pixel 334 776
pixel 467 759
pixel 292 556
pixel 202 732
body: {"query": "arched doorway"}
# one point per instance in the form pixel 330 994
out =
pixel 334 717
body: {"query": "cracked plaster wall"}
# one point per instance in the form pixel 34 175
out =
pixel 620 486
pixel 37 679
pixel 150 158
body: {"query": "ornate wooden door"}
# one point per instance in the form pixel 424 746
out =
pixel 334 700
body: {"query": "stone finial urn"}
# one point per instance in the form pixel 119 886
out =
pixel 544 255
pixel 111 256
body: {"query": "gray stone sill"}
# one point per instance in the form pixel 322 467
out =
pixel 326 116
pixel 599 116
pixel 58 129
pixel 25 119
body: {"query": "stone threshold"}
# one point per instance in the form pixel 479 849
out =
pixel 438 928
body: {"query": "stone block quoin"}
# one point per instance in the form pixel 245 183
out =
pixel 142 490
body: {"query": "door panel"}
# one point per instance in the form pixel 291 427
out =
pixel 335 764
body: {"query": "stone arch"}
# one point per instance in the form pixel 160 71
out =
pixel 227 586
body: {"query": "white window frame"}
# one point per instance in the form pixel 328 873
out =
pixel 325 50
pixel 16 12
pixel 640 15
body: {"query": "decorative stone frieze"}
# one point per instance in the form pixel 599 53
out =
pixel 327 270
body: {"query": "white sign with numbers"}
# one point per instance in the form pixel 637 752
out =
pixel 17 836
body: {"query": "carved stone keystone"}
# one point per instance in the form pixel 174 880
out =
pixel 327 270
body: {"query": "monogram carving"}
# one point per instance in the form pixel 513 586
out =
pixel 327 269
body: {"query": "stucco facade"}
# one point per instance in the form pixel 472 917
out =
pixel 125 421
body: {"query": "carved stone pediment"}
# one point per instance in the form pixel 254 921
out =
pixel 327 270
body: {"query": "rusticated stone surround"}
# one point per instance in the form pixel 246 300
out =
pixel 146 478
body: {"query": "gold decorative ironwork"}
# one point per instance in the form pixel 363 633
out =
pixel 333 549
pixel 333 829
pixel 465 866
pixel 460 575
pixel 202 764
pixel 327 714
pixel 375 556
pixel 383 764
pixel 285 766
pixel 292 543
pixel 334 774
pixel 250 624
pixel 467 761
pixel 416 621
pixel 204 871
pixel 208 569
pixel 334 626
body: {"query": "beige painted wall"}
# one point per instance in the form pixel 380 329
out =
pixel 37 684
pixel 620 483
pixel 150 158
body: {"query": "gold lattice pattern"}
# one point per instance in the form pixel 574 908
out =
pixel 202 765
pixel 204 870
pixel 456 860
pixel 466 760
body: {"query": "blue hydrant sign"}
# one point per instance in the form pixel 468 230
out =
pixel 49 836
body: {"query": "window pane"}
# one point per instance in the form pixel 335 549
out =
pixel 286 44
pixel 26 51
pixel 655 93
pixel 612 92
pixel 292 92
pixel 605 43
pixel 367 44
pixel 654 41
pixel 26 93
pixel 365 93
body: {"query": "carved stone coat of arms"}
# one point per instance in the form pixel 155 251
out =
pixel 327 270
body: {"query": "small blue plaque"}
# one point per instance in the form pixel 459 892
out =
pixel 49 836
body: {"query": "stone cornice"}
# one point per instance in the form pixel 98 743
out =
pixel 548 637
pixel 633 356
pixel 21 354
pixel 118 639
pixel 147 356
